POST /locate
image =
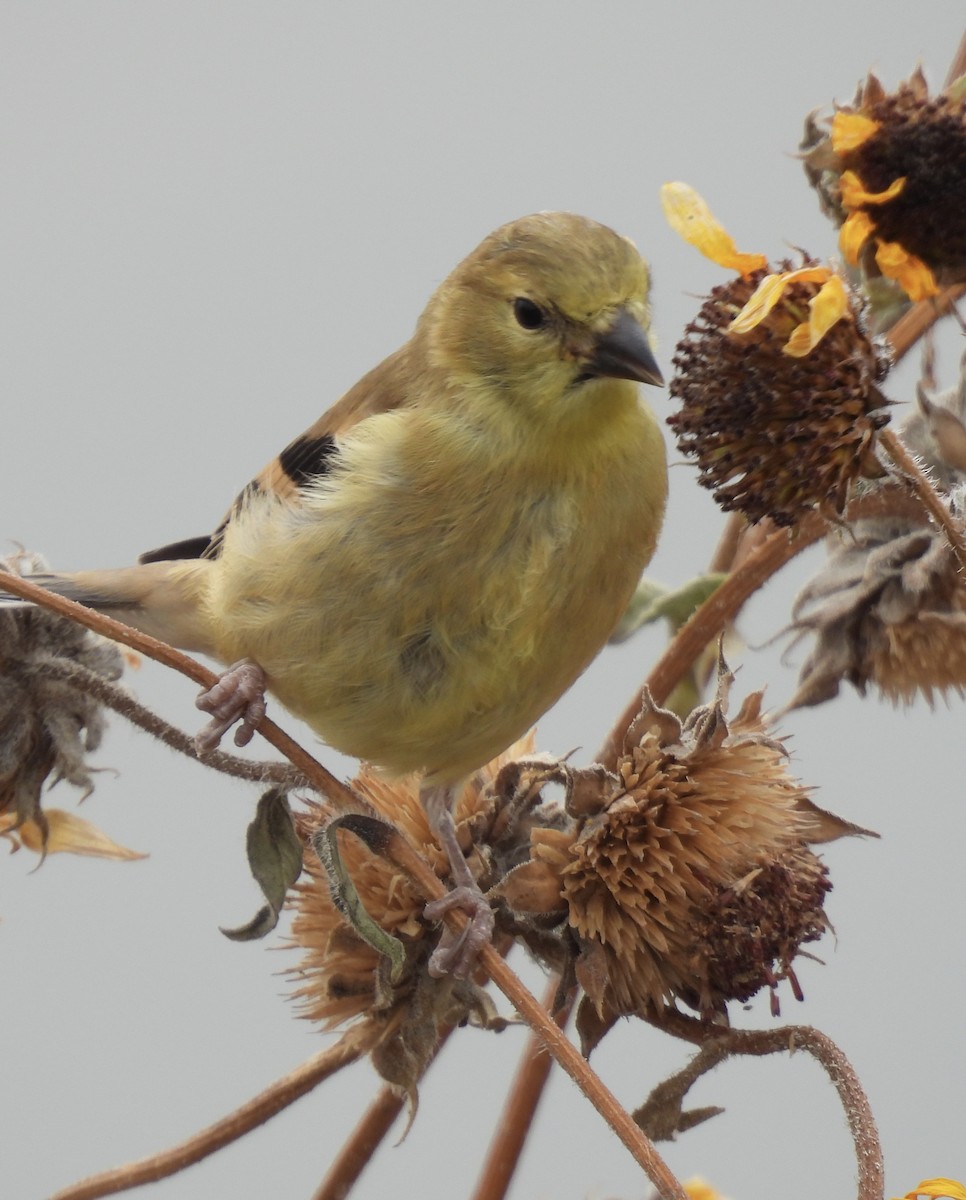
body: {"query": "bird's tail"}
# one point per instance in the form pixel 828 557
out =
pixel 163 599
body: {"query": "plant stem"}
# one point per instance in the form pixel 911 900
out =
pixel 516 1120
pixel 285 1091
pixel 122 702
pixel 717 1046
pixel 927 495
pixel 362 1143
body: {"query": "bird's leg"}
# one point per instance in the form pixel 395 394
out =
pixel 456 953
pixel 239 695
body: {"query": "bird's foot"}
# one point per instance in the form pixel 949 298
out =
pixel 238 696
pixel 457 951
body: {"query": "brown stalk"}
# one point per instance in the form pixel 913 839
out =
pixel 768 550
pixel 717 1046
pixel 278 1096
pixel 362 1143
pixel 927 495
pixel 516 1119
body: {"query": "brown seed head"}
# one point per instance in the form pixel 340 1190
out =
pixel 777 435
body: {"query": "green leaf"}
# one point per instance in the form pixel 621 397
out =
pixel 275 858
pixel 652 601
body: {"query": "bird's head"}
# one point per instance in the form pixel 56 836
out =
pixel 543 316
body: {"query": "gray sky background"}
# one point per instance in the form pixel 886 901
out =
pixel 214 218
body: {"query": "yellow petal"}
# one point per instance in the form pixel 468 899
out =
pixel 911 273
pixel 850 130
pixel 769 292
pixel 689 216
pixel 697 1188
pixel 72 835
pixel 853 235
pixel 853 193
pixel 830 305
pixel 938 1187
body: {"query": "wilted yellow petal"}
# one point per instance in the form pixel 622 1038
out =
pixel 767 294
pixel 850 130
pixel 938 1187
pixel 830 305
pixel 70 834
pixel 911 273
pixel 689 216
pixel 853 193
pixel 853 235
pixel 699 1189
pixel 764 298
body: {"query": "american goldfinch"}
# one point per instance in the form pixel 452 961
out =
pixel 430 565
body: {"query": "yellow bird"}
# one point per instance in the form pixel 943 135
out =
pixel 422 573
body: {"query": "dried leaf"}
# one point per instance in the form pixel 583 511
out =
pixel 275 858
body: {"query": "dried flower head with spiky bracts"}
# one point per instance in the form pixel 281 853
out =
pixel 891 170
pixel 50 722
pixel 888 609
pixel 777 380
pixel 690 878
pixel 341 976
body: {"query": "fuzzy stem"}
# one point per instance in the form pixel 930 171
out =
pixel 516 1120
pixel 910 327
pixel 283 1092
pixel 928 497
pixel 363 1142
pixel 122 702
pixel 704 625
pixel 716 1047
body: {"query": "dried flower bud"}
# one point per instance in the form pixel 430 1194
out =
pixel 891 170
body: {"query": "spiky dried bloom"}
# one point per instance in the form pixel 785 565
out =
pixel 339 973
pixel 777 434
pixel 891 169
pixel 47 726
pixel 692 879
pixel 888 609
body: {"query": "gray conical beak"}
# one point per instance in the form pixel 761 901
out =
pixel 624 352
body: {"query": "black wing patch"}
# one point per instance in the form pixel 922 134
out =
pixel 300 462
pixel 307 457
pixel 196 547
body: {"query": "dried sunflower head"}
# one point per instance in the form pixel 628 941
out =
pixel 890 168
pixel 692 877
pixel 888 609
pixel 48 723
pixel 777 380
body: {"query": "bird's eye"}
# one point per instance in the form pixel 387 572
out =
pixel 528 314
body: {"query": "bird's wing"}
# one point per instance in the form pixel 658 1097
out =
pixel 307 457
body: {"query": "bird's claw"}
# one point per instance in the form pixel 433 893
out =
pixel 238 696
pixel 457 951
